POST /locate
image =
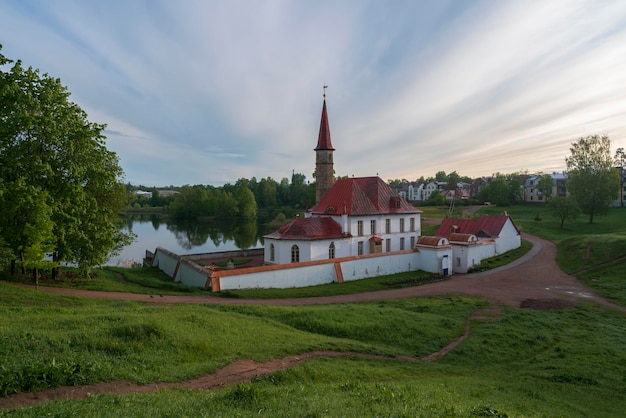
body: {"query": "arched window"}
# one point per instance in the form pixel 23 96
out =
pixel 295 254
pixel 331 250
pixel 272 253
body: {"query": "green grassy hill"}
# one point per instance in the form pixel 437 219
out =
pixel 568 362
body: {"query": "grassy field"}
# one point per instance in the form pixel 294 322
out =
pixel 568 362
pixel 526 363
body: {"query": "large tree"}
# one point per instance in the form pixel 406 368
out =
pixel 63 186
pixel 564 208
pixel 591 177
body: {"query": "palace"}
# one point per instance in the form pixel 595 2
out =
pixel 352 216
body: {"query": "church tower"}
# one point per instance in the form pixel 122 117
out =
pixel 324 169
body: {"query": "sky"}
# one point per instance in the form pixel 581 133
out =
pixel 207 92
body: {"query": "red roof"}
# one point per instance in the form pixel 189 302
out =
pixel 486 226
pixel 362 196
pixel 323 140
pixel 308 229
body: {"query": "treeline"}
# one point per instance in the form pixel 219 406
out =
pixel 240 200
pixel 500 188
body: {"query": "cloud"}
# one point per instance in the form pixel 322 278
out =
pixel 208 92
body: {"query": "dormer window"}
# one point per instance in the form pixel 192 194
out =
pixel 330 209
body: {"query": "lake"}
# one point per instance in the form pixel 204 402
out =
pixel 186 237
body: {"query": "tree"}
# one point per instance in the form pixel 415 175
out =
pixel 65 175
pixel 436 199
pixel 441 176
pixel 620 162
pixel 564 208
pixel 453 181
pixel 591 179
pixel 496 191
pixel 544 185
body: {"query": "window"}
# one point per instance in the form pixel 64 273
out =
pixel 359 226
pixel 412 242
pixel 295 254
pixel 401 243
pixel 331 250
pixel 272 252
pixel 387 226
pixel 402 225
pixel 388 245
pixel 412 223
pixel 373 226
pixel 360 248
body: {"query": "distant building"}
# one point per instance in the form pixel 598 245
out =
pixel 533 195
pixel 167 193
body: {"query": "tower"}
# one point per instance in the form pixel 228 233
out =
pixel 324 169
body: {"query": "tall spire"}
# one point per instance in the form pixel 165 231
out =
pixel 323 140
pixel 324 167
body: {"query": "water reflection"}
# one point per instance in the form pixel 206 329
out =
pixel 188 237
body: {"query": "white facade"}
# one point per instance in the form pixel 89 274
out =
pixel 509 238
pixel 432 187
pixel 361 235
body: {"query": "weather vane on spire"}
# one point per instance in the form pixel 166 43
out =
pixel 325 87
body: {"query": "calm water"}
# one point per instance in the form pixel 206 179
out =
pixel 186 237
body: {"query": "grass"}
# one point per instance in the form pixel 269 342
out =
pixel 503 259
pixel 568 362
pixel 548 227
pixel 145 280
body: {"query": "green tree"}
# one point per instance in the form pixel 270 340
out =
pixel 496 191
pixel 48 146
pixel 620 163
pixel 436 199
pixel 453 181
pixel 564 208
pixel 247 207
pixel 544 185
pixel 266 193
pixel 191 203
pixel 591 179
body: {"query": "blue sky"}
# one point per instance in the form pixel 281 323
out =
pixel 206 92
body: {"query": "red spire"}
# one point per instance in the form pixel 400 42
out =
pixel 323 140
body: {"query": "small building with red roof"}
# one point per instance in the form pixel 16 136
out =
pixel 474 240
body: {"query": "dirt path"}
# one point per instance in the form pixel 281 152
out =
pixel 533 281
pixel 237 372
pixel 533 277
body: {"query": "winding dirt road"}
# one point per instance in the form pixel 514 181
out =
pixel 533 278
pixel 533 281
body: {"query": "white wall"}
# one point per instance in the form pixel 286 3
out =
pixel 320 272
pixel 467 256
pixel 509 238
pixel 166 261
pixel 430 258
pixel 192 274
